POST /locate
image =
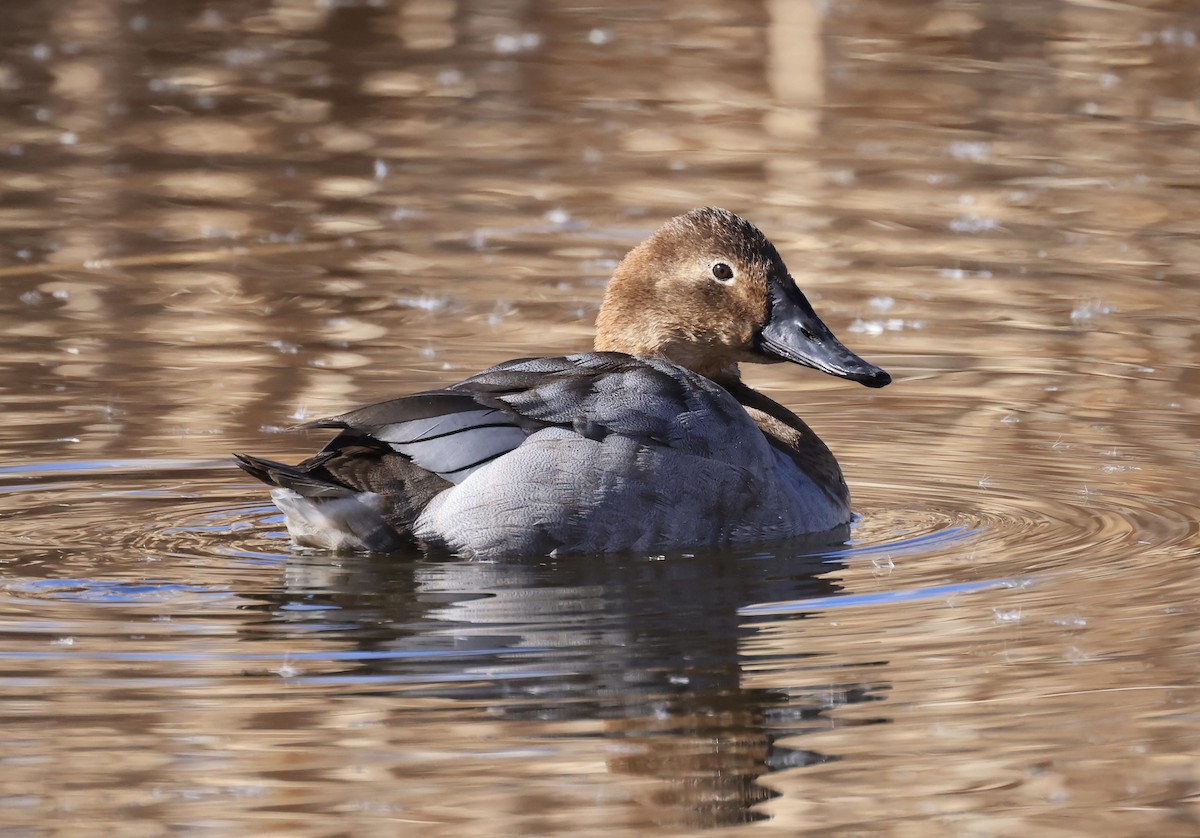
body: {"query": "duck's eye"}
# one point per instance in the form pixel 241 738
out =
pixel 722 272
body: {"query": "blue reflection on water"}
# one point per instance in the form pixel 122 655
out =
pixel 882 598
pixel 101 590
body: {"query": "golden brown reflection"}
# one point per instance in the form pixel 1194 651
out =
pixel 220 218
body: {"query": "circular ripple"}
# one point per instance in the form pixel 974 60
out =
pixel 199 508
pixel 1038 534
pixel 131 507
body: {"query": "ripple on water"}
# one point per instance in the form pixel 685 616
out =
pixel 151 507
pixel 191 545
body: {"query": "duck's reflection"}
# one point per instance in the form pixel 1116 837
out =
pixel 651 647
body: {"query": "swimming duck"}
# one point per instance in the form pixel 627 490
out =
pixel 651 442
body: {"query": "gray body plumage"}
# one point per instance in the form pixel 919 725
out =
pixel 597 452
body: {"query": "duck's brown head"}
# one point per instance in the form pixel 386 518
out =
pixel 707 291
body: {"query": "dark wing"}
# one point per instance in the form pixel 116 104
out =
pixel 445 435
pixel 449 434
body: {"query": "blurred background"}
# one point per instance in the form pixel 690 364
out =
pixel 220 218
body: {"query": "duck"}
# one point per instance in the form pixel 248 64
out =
pixel 652 442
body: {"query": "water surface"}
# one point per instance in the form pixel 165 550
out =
pixel 222 218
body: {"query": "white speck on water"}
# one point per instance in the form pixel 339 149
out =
pixel 881 304
pixel 381 169
pixel 72 350
pixel 502 309
pixel 841 177
pixel 300 413
pixel 878 327
pixel 63 641
pixel 1109 79
pixel 976 152
pixel 972 224
pixel 960 273
pixel 1053 388
pixel 558 216
pixel 428 352
pixel 1004 615
pixel 1011 419
pixel 67 439
pixel 512 44
pixel 867 327
pixel 41 52
pixel 1088 310
pixel 450 77
pixel 984 482
pixel 599 37
pixel 425 303
pixel 68 138
pixel 287 670
pixel 1171 36
pixel 137 23
pixel 1089 108
pixel 284 347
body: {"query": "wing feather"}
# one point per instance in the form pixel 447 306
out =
pixel 454 432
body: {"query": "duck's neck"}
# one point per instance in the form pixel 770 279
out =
pixel 756 401
pixel 685 353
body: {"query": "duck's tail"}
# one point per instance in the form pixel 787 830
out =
pixel 299 479
pixel 326 515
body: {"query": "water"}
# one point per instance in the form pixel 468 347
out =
pixel 221 218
